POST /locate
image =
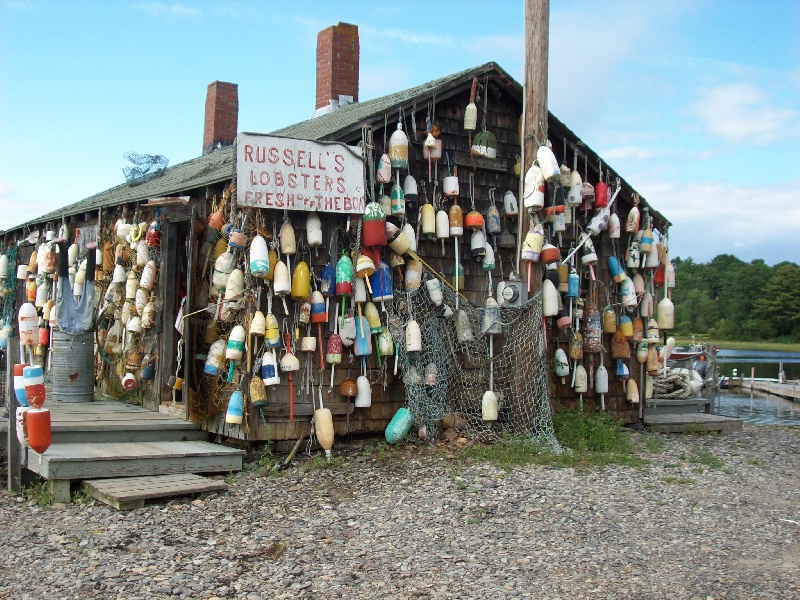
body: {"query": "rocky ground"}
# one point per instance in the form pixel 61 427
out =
pixel 702 517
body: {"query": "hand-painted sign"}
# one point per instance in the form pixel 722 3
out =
pixel 284 173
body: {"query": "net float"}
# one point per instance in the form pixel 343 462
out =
pixel 234 415
pixel 363 392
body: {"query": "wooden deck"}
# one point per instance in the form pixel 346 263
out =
pixel 110 439
pixel 691 423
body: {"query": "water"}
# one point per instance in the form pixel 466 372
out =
pixel 763 409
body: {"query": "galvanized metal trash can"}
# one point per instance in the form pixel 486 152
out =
pixel 73 366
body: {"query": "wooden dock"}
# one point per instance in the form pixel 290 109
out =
pixel 789 390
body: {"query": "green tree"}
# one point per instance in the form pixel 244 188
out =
pixel 779 301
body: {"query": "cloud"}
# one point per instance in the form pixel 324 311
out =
pixel 713 218
pixel 158 9
pixel 742 112
pixel 408 37
pixel 628 153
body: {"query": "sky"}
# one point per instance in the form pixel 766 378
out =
pixel 695 103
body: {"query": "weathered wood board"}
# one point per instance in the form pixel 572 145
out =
pixel 126 493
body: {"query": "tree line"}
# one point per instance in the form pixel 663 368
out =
pixel 729 299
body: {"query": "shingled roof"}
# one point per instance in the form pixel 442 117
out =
pixel 218 166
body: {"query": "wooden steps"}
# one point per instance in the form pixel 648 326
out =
pixel 691 423
pixel 126 493
pixel 109 439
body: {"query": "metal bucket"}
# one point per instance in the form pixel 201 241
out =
pixel 73 366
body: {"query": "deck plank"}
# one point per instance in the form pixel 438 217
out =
pixel 683 423
pixel 124 459
pixel 130 492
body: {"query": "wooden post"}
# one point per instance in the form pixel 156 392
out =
pixel 14 448
pixel 535 117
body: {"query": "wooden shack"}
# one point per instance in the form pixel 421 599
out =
pixel 178 202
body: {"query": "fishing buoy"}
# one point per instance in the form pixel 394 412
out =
pixel 652 360
pixel 491 323
pixel 270 375
pixel 560 364
pixel 363 392
pixel 632 220
pixel 666 314
pixel 38 429
pixel 398 148
pixel 533 190
pixel 477 245
pixel 638 330
pixel 550 254
pixel 619 345
pixel 428 221
pixel 442 227
pixel 626 326
pixel 288 242
pixel 463 327
pixel 235 413
pixel 549 299
pixel 601 384
pixel 489 410
pixel 450 186
pixel 413 337
pixel 259 258
pixel 642 351
pixel 384 170
pixel 613 227
pixel 4 267
pixel 381 282
pixel 413 277
pixel 510 205
pixel 234 349
pixel 399 426
pixel 398 241
pixel 398 200
pixel 333 351
pixel 128 381
pixel 314 230
pixel 434 287
pixel 373 225
pixel 652 332
pixel 632 391
pixel 215 357
pixel 282 285
pixel 588 254
pixel 344 275
pixel 301 282
pixel 471 111
pixel 27 320
pixel 627 293
pixel 410 190
pixel 19 384
pixel 581 383
pixel 617 273
pixel 548 163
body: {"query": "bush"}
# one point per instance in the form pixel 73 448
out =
pixel 592 431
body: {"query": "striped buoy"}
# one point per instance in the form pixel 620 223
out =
pixel 19 385
pixel 33 378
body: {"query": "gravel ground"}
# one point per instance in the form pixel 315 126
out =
pixel 706 517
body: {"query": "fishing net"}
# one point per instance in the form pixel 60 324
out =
pixel 145 167
pixel 449 377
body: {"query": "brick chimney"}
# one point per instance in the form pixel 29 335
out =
pixel 337 63
pixel 222 115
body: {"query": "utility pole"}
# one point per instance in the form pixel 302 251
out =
pixel 534 127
